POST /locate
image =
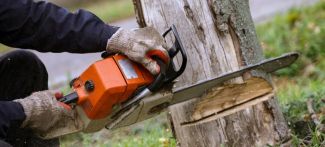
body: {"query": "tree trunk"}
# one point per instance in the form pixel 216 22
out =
pixel 219 36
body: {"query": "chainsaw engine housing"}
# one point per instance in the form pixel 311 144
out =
pixel 107 83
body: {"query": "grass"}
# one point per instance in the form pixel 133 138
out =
pixel 150 133
pixel 107 10
pixel 3 48
pixel 301 30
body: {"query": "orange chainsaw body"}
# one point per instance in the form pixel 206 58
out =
pixel 107 83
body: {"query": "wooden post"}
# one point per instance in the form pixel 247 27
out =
pixel 219 36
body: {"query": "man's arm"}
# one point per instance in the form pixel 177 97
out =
pixel 11 113
pixel 48 28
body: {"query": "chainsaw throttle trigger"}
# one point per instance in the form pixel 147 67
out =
pixel 71 98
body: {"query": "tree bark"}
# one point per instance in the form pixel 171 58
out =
pixel 219 36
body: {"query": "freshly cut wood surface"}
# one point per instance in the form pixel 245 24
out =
pixel 231 95
pixel 230 110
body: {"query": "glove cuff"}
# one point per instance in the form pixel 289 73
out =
pixel 27 110
pixel 46 117
pixel 121 41
pixel 34 105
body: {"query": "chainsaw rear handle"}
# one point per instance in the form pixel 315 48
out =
pixel 168 72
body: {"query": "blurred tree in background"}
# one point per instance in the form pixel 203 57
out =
pixel 107 10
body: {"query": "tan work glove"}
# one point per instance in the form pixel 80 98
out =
pixel 47 117
pixel 138 44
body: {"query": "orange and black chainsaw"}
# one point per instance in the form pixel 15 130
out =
pixel 116 81
pixel 116 92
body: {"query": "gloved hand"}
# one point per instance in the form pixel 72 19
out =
pixel 138 44
pixel 47 117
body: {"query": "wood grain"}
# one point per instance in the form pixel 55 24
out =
pixel 230 95
pixel 228 111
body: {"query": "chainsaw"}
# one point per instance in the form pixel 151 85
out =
pixel 115 92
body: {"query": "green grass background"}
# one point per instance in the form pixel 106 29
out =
pixel 301 30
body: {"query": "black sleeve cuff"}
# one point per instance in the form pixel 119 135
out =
pixel 107 33
pixel 12 110
pixel 11 114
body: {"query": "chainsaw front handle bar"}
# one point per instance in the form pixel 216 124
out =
pixel 168 71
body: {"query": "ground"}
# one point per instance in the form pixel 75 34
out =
pixel 301 30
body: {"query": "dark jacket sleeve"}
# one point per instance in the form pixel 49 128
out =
pixel 48 28
pixel 10 113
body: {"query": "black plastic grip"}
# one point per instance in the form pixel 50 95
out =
pixel 172 72
pixel 70 98
pixel 168 73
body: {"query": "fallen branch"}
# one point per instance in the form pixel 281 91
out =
pixel 313 115
pixel 312 111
